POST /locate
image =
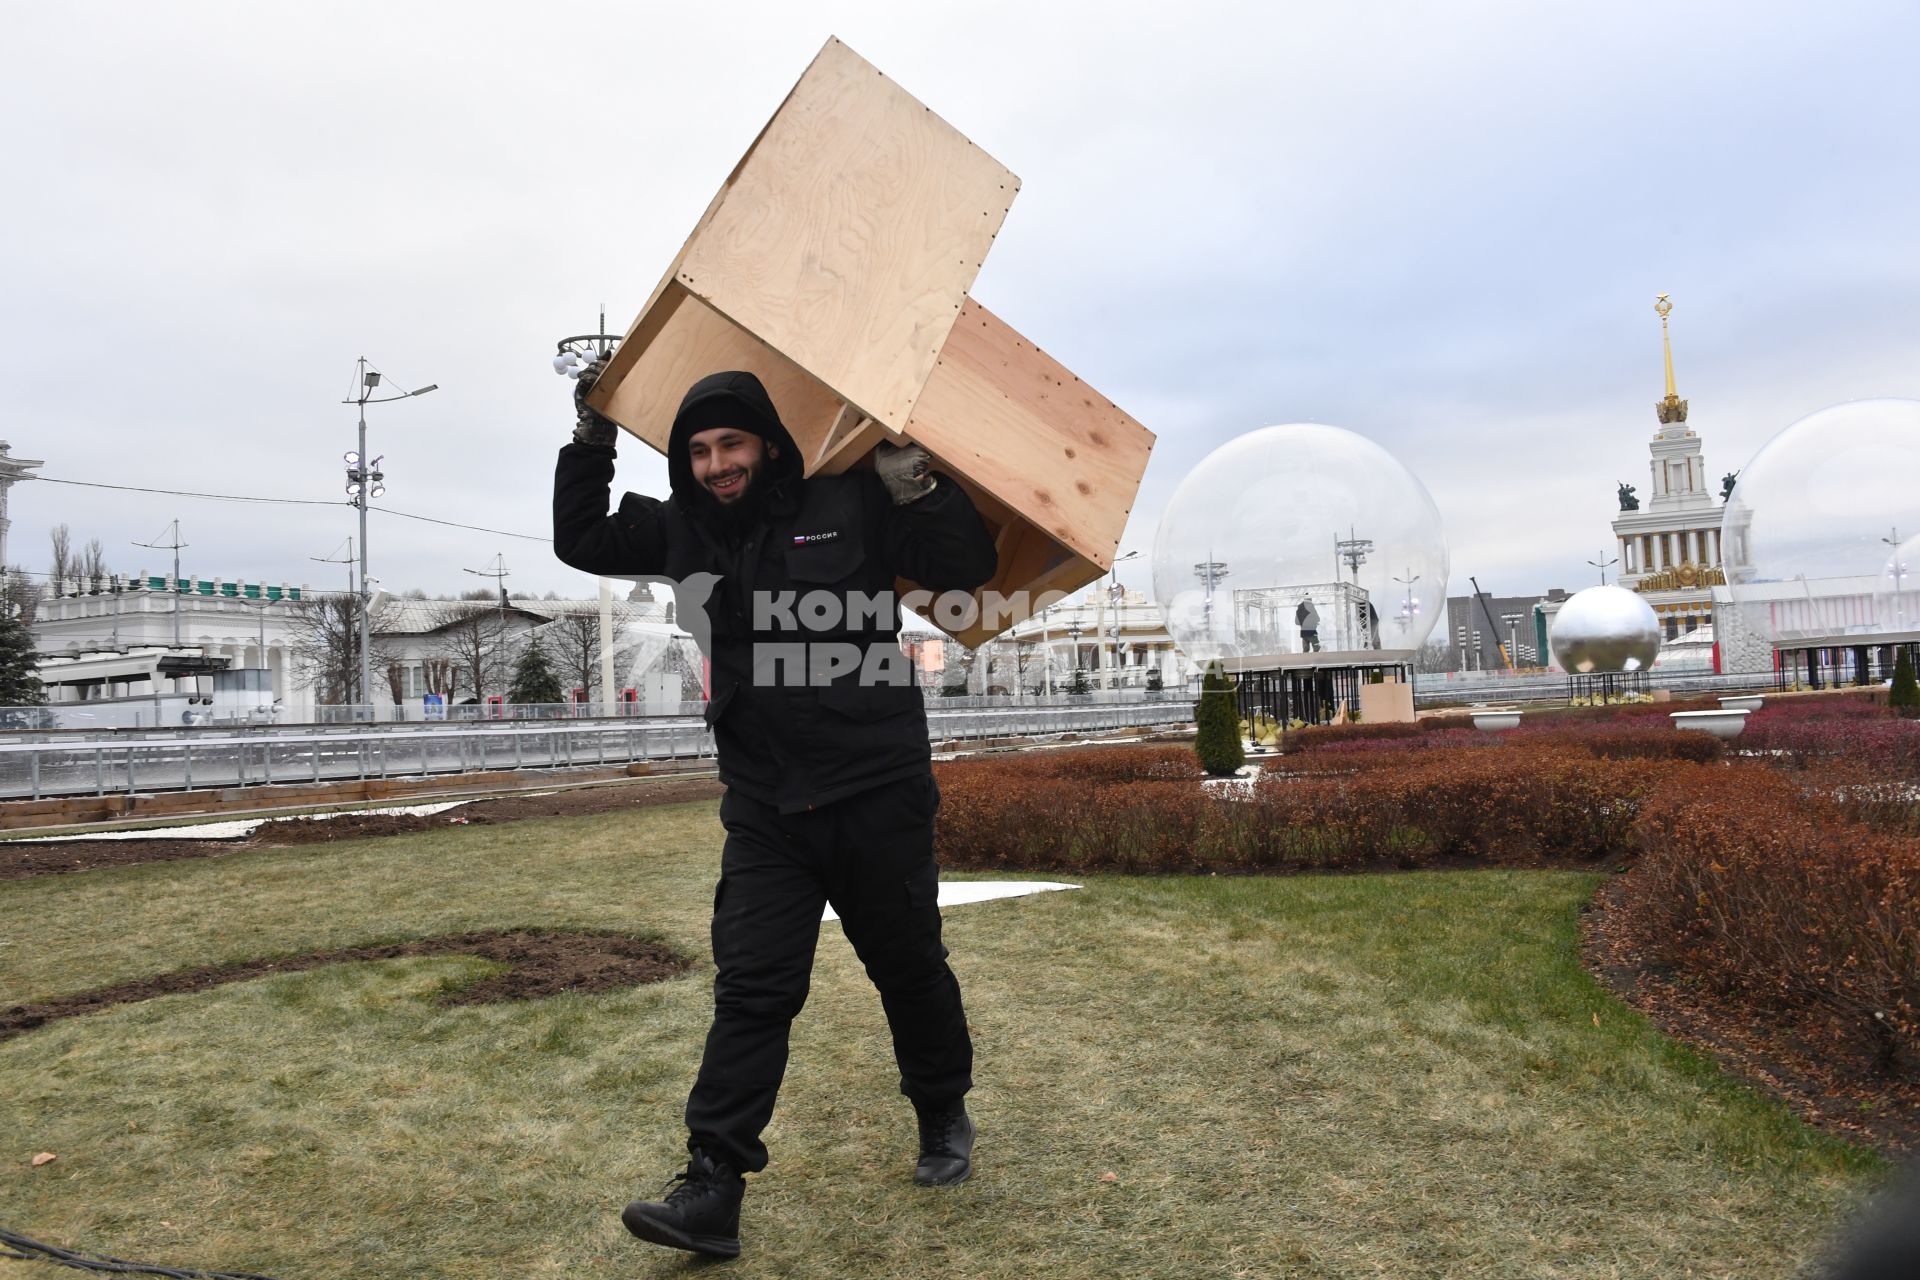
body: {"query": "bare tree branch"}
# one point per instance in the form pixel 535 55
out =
pixel 19 594
pixel 325 634
pixel 62 565
pixel 468 639
pixel 93 565
pixel 573 642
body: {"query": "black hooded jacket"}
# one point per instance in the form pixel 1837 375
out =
pixel 782 739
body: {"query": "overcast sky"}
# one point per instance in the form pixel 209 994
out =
pixel 1440 225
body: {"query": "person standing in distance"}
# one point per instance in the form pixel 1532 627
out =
pixel 830 793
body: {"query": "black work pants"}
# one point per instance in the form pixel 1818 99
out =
pixel 871 856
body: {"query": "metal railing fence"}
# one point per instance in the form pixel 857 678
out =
pixel 1499 686
pixel 137 761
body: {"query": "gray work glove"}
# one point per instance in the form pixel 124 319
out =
pixel 591 427
pixel 906 470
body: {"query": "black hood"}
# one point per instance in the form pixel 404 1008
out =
pixel 731 399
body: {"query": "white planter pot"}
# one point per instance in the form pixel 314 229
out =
pixel 1743 702
pixel 1724 723
pixel 1494 721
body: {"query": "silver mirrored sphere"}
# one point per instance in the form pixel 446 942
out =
pixel 1605 629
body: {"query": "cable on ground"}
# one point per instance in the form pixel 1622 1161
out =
pixel 22 1249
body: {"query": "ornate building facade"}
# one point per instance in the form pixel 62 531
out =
pixel 1669 549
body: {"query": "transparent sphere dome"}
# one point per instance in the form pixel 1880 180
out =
pixel 1819 534
pixel 1604 629
pixel 1298 538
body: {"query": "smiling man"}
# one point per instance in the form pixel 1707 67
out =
pixel 823 746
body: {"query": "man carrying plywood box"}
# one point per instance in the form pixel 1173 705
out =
pixel 823 745
pixel 831 273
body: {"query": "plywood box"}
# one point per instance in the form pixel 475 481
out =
pixel 835 264
pixel 1386 704
pixel 1052 464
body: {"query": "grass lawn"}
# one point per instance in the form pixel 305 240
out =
pixel 1338 1076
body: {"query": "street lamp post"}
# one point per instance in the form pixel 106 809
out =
pixel 1898 568
pixel 572 356
pixel 1113 597
pixel 1603 567
pixel 1073 630
pixel 173 586
pixel 1046 649
pixel 365 480
pixel 499 574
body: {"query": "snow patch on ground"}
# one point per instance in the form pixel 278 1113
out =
pixel 1240 786
pixel 956 893
pixel 234 829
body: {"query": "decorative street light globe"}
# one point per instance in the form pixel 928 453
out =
pixel 1822 530
pixel 1605 629
pixel 1295 539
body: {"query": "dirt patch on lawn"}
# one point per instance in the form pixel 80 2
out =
pixel 540 963
pixel 1846 1095
pixel 20 859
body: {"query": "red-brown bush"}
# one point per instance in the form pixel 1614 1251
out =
pixel 1619 738
pixel 1769 894
pixel 1808 734
pixel 1487 804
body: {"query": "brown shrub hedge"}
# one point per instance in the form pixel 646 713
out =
pixel 1769 894
pixel 1497 805
pixel 1620 738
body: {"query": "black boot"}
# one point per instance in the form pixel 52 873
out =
pixel 701 1211
pixel 946 1145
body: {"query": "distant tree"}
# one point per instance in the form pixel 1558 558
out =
pixel 470 637
pixel 19 594
pixel 1026 655
pixel 60 566
pixel 534 680
pixel 325 645
pixel 19 668
pixel 479 593
pixel 439 676
pixel 413 593
pixel 1217 720
pixel 575 641
pixel 1904 697
pixel 1080 683
pixel 956 668
pixel 92 569
pixel 1433 657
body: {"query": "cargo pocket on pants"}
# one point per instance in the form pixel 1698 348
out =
pixel 923 887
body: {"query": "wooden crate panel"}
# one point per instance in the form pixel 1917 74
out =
pixel 1020 425
pixel 689 340
pixel 849 235
pixel 1030 562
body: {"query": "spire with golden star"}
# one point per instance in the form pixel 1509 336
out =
pixel 1672 409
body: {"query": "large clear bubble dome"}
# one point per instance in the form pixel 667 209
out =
pixel 1298 538
pixel 1822 530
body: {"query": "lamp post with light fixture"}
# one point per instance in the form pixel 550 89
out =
pixel 365 480
pixel 1112 597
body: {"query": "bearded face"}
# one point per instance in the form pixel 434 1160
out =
pixel 727 461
